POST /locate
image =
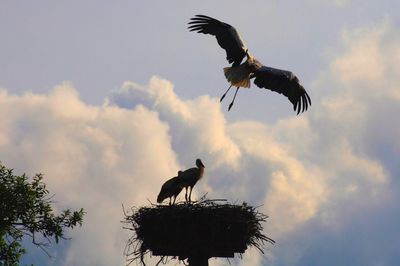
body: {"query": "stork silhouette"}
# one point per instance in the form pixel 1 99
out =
pixel 170 189
pixel 239 74
pixel 189 178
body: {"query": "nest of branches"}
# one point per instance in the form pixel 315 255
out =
pixel 207 228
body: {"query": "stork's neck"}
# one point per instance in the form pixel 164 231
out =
pixel 249 56
pixel 201 171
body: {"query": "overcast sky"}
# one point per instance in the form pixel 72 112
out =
pixel 110 99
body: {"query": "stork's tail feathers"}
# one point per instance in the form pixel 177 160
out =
pixel 237 77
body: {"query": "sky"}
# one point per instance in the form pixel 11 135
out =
pixel 110 99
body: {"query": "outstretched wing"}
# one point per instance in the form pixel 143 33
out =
pixel 227 36
pixel 284 82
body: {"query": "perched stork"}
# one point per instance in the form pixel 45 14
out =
pixel 239 74
pixel 171 188
pixel 189 177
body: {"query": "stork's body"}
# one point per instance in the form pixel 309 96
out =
pixel 170 189
pixel 239 74
pixel 189 178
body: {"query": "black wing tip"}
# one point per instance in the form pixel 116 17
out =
pixel 298 107
pixel 302 103
pixel 202 16
pixel 194 27
pixel 286 83
pixel 308 98
pixel 199 18
pixel 199 22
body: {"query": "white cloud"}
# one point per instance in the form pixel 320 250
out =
pixel 198 126
pixel 304 169
pixel 364 58
pixel 93 157
pixel 367 67
pixel 293 190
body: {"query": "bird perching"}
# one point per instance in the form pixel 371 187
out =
pixel 170 189
pixel 185 179
pixel 189 178
pixel 239 74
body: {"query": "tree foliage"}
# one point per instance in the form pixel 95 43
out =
pixel 26 210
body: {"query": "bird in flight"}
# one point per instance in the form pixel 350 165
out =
pixel 239 74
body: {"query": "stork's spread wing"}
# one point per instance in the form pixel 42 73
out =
pixel 227 36
pixel 284 82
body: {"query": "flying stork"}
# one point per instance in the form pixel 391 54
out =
pixel 189 177
pixel 239 74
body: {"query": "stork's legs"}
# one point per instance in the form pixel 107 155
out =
pixel 186 196
pixel 223 96
pixel 230 105
pixel 188 199
pixel 190 194
pixel 170 200
pixel 174 200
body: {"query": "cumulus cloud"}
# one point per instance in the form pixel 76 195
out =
pixel 95 157
pixel 198 126
pixel 352 124
pixel 312 169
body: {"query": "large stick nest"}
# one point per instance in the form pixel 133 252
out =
pixel 207 228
